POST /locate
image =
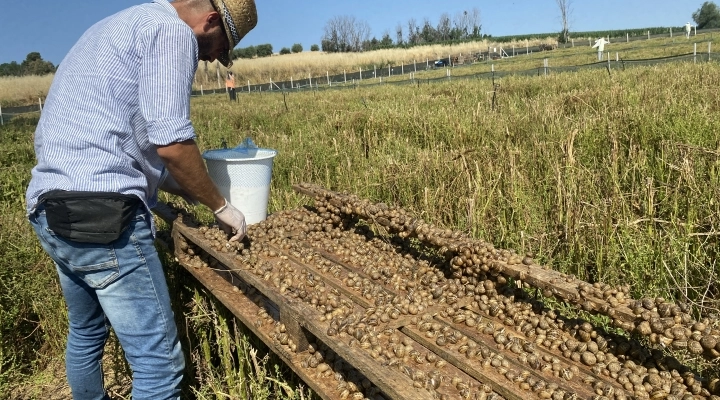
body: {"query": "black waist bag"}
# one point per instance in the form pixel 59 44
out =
pixel 89 217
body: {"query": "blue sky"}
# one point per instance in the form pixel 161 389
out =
pixel 52 27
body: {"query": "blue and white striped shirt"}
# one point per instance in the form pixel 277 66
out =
pixel 123 89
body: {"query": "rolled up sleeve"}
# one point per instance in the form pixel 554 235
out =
pixel 167 70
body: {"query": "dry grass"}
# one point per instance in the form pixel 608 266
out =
pixel 300 65
pixel 25 90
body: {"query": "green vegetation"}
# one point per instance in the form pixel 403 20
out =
pixel 297 48
pixel 33 65
pixel 707 16
pixel 261 50
pixel 612 177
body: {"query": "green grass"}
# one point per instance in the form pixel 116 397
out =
pixel 611 177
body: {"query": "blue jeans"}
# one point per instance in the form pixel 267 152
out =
pixel 121 285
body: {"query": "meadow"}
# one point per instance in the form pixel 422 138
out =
pixel 611 177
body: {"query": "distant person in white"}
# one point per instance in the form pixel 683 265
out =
pixel 688 28
pixel 600 44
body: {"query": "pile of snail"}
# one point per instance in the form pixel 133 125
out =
pixel 459 287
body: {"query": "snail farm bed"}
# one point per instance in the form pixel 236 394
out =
pixel 362 300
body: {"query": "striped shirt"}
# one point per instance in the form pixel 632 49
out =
pixel 122 90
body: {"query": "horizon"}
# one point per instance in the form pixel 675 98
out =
pixel 53 37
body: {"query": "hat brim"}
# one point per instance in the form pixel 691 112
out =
pixel 245 19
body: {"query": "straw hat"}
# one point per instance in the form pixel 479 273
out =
pixel 239 17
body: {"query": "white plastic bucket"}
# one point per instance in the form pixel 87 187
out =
pixel 243 176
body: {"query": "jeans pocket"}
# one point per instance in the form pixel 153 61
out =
pixel 96 264
pixel 99 275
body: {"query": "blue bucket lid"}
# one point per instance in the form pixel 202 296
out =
pixel 247 150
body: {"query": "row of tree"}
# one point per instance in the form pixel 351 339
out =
pixel 346 33
pixel 33 65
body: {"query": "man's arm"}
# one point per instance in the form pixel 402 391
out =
pixel 185 164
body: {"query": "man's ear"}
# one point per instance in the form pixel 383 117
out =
pixel 212 19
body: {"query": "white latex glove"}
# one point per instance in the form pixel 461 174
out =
pixel 168 184
pixel 232 221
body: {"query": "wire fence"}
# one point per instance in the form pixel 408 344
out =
pixel 406 73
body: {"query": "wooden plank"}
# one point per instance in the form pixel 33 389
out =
pixel 328 279
pixel 447 372
pixel 573 385
pixel 246 311
pixel 471 367
pixel 395 384
pixel 557 283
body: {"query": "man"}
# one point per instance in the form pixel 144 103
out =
pixel 115 129
pixel 230 85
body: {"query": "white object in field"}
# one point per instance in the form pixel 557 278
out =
pixel 243 174
pixel 600 44
pixel 688 28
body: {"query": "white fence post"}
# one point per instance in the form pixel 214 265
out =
pixel 402 69
pixel 360 74
pixel 310 80
pixel 415 65
pixel 201 91
pixel 671 32
pixel 40 103
pixel 545 65
pixel 248 85
pixel 389 71
pixel 2 122
pixel 291 83
pixel 327 73
pixel 648 35
pixel 627 37
pixel 617 56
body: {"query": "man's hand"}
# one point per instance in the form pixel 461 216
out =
pixel 232 221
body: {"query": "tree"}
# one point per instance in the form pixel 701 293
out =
pixel 314 48
pixel 565 12
pixel 345 33
pixel 707 16
pixel 264 50
pixel 399 34
pixel 10 69
pixel 297 48
pixel 285 50
pixel 444 29
pixel 386 41
pixel 413 35
pixel 245 52
pixel 33 65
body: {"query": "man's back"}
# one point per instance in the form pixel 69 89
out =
pixel 102 119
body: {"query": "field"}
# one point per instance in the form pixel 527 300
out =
pixel 611 177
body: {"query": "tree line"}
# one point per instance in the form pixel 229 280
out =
pixel 33 65
pixel 346 33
